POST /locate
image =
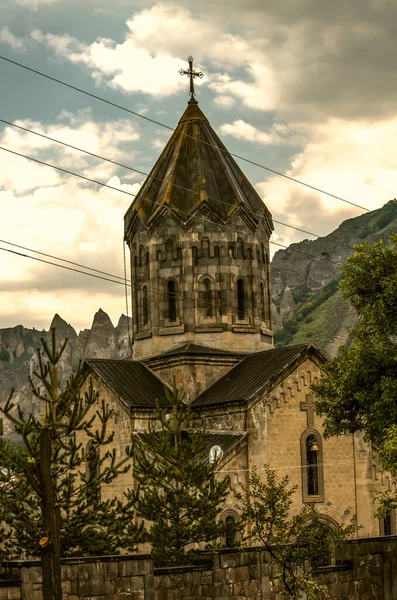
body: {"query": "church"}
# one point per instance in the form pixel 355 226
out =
pixel 198 234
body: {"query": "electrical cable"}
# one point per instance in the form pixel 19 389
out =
pixel 68 172
pixel 136 114
pixel 132 285
pixel 260 215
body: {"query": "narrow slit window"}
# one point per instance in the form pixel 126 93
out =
pixel 171 300
pixel 263 305
pixel 240 300
pixel 145 306
pixel 207 299
pixel 312 451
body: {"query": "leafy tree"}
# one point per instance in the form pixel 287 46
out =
pixel 50 502
pixel 295 544
pixel 359 390
pixel 178 495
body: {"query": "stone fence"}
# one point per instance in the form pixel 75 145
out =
pixel 366 569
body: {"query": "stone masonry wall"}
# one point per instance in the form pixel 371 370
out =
pixel 366 569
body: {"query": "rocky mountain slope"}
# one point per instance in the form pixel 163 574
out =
pixel 18 345
pixel 307 305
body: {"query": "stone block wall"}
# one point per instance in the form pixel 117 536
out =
pixel 366 569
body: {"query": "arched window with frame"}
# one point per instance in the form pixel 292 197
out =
pixel 263 302
pixel 206 297
pixel 171 300
pixel 312 467
pixel 145 306
pixel 232 529
pixel 240 300
pixel 230 532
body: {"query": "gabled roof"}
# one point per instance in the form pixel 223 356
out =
pixel 195 170
pixel 131 381
pixel 254 373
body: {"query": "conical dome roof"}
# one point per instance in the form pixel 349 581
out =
pixel 195 168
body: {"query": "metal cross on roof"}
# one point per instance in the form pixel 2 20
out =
pixel 192 75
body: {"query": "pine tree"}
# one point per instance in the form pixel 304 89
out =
pixel 178 495
pixel 50 502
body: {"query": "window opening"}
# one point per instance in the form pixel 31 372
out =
pixel 312 451
pixel 230 532
pixel 171 300
pixel 145 307
pixel 240 300
pixel 263 306
pixel 387 528
pixel 207 299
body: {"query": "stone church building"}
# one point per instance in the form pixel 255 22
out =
pixel 198 234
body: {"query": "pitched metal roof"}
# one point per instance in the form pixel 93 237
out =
pixel 252 374
pixel 196 169
pixel 131 381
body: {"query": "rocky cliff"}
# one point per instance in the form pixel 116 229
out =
pixel 307 305
pixel 18 359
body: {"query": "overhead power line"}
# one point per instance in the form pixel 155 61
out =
pixel 124 283
pixel 136 114
pixel 82 150
pixel 106 185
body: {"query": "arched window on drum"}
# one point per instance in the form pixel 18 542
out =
pixel 206 290
pixel 171 294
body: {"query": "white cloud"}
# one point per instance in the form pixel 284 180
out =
pixel 225 101
pixel 353 160
pixel 278 134
pixel 60 215
pixel 9 38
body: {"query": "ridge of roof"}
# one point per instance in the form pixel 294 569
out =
pixel 252 374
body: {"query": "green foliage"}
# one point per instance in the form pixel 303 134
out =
pixel 359 390
pixel 295 544
pixel 178 495
pixel 87 524
pixel 301 293
pixel 305 315
pixel 4 355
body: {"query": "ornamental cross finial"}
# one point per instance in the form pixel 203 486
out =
pixel 192 75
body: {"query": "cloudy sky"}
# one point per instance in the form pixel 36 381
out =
pixel 305 87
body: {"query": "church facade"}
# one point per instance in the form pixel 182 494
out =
pixel 198 235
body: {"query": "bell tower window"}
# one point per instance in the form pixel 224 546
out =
pixel 171 299
pixel 312 466
pixel 207 299
pixel 240 300
pixel 145 307
pixel 263 305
